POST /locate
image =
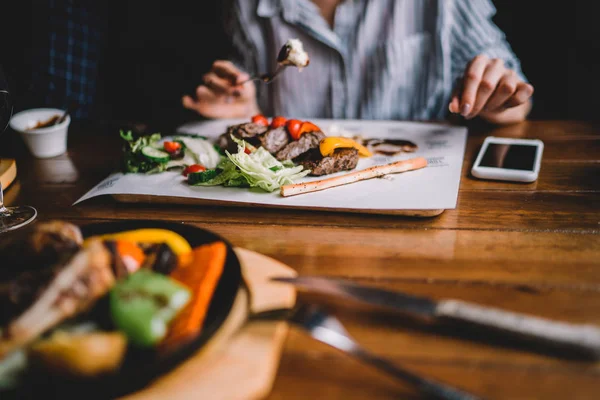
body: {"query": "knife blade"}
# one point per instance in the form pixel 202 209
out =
pixel 376 297
pixel 584 338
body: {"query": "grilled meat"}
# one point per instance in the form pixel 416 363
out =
pixel 37 247
pixel 341 160
pixel 247 132
pixel 274 140
pixel 55 294
pixel 295 149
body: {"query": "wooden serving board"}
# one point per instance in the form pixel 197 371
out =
pixel 149 199
pixel 243 353
pixel 8 171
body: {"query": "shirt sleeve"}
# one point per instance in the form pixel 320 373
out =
pixel 241 26
pixel 473 32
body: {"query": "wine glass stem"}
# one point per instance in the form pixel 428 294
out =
pixel 2 208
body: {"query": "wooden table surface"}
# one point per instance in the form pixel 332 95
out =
pixel 531 248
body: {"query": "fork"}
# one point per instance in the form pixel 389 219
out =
pixel 329 330
pixel 265 78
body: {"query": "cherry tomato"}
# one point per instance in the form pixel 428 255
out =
pixel 172 147
pixel 293 127
pixel 278 121
pixel 308 127
pixel 193 168
pixel 247 150
pixel 260 120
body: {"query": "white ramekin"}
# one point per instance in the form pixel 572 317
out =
pixel 43 142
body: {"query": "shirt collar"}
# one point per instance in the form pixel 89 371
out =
pixel 268 8
pixel 300 13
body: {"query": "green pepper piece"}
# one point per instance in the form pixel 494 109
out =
pixel 143 305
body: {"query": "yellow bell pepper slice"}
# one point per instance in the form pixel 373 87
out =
pixel 176 242
pixel 329 144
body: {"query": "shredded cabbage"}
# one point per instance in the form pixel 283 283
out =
pixel 257 169
pixel 201 151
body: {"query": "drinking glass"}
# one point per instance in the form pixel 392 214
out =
pixel 17 216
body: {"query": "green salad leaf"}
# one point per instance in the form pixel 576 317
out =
pixel 195 150
pixel 133 159
pixel 257 169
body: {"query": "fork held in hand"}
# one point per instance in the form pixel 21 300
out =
pixel 265 78
pixel 329 330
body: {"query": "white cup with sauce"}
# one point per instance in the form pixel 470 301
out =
pixel 43 142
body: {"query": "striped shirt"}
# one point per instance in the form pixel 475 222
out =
pixel 382 59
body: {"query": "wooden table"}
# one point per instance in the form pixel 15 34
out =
pixel 528 247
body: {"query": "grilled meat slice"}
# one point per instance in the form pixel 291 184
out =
pixel 226 144
pixel 247 132
pixel 274 140
pixel 341 160
pixel 295 149
pixel 41 245
pixel 68 289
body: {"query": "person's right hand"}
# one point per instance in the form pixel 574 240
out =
pixel 222 96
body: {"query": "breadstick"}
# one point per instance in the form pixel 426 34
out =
pixel 369 173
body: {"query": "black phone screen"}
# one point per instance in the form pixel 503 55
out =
pixel 509 156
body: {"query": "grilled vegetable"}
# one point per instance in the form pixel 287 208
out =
pixel 277 122
pixel 160 258
pixel 201 276
pixel 80 354
pixel 293 127
pixel 131 255
pixel 177 242
pixel 328 145
pixel 143 305
pixel 260 119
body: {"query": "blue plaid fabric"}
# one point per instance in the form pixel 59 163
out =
pixel 69 55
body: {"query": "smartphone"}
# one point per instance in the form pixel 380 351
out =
pixel 507 159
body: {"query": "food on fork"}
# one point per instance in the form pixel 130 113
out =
pixel 292 53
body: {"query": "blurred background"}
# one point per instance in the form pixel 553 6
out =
pixel 142 56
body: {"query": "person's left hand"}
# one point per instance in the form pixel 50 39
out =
pixel 491 91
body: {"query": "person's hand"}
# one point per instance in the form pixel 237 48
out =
pixel 222 96
pixel 493 92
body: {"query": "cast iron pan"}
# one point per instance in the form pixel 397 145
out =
pixel 141 367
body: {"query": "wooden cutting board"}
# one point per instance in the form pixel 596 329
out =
pixel 8 172
pixel 241 352
pixel 149 199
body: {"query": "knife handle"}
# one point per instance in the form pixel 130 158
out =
pixel 583 337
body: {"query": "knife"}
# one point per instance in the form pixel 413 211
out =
pixel 584 338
